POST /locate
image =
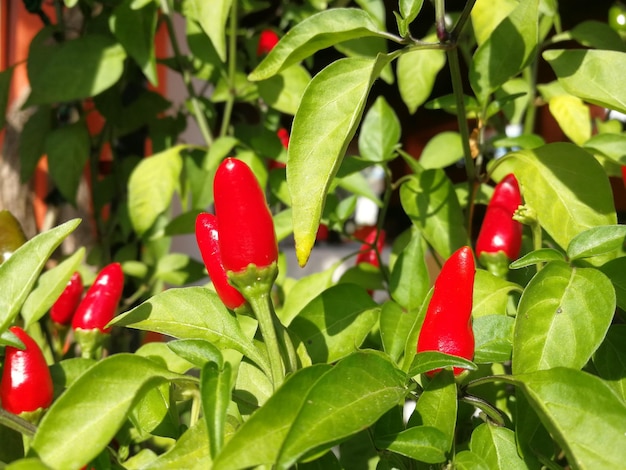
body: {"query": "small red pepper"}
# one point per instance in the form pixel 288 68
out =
pixel 246 227
pixel 447 326
pixel 26 384
pixel 367 254
pixel 208 241
pixel 499 231
pixel 98 306
pixel 267 40
pixel 283 136
pixel 65 306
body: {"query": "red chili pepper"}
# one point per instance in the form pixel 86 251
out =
pixel 65 306
pixel 283 136
pixel 100 302
pixel 447 326
pixel 267 40
pixel 624 174
pixel 246 227
pixel 208 241
pixel 26 382
pixel 499 232
pixel 367 253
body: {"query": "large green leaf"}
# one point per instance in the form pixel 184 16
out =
pixel 191 312
pixel 583 414
pixel 68 151
pixel 151 187
pixel 19 273
pixel 422 443
pixel 395 325
pixel 491 294
pixel 135 29
pixel 567 188
pixel 597 241
pixel 95 405
pixel 72 70
pixel 318 31
pixel 417 72
pixel 33 140
pixel 442 150
pixel 496 446
pixel 487 14
pixel 212 17
pixel 612 146
pixel 615 270
pixel 573 116
pixel 563 316
pixel 593 75
pixel 428 198
pixel 326 120
pixel 335 323
pixel 507 50
pixel 5 85
pixel 191 451
pixel 493 335
pixel 409 281
pixel 49 287
pixel 284 91
pixel 610 359
pixel 315 408
pixel 380 132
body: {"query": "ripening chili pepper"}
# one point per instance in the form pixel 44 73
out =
pixel 208 241
pixel 447 326
pixel 246 227
pixel 267 40
pixel 26 383
pixel 65 306
pixel 499 231
pixel 624 174
pixel 367 254
pixel 98 306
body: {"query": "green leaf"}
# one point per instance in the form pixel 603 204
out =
pixel 49 287
pixel 395 325
pixel 612 146
pixel 597 241
pixel 314 409
pixel 326 120
pixel 409 9
pixel 135 28
pixel 466 460
pixel 212 17
pixel 151 187
pixel 487 14
pixel 11 235
pixel 19 273
pixel 496 446
pixel 191 450
pixel 33 140
pixel 562 302
pixel 153 414
pixel 506 51
pixel 417 72
pixel 72 70
pixel 591 75
pixel 252 388
pixel 430 202
pixel 215 391
pixel 542 255
pixel 565 185
pixel 430 360
pixel 573 117
pixel 442 150
pixel 188 313
pixel 178 269
pixel 615 270
pixel 283 91
pixel 596 34
pixel 493 335
pixel 409 281
pixel 68 150
pixel 491 294
pixel 161 353
pixel 335 323
pixel 283 224
pixel 95 411
pixel 582 413
pixel 197 351
pixel 380 132
pixel 64 373
pixel 319 31
pixel 437 406
pixel 5 86
pixel 610 359
pixel 422 443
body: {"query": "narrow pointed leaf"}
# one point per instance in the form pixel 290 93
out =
pixel 597 241
pixel 215 391
pixel 19 273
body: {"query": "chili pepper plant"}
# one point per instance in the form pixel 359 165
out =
pixel 449 363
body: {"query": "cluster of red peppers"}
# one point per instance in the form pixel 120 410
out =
pixel 371 248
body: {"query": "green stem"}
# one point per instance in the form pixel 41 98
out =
pixel 186 76
pixel 465 14
pixel 255 284
pixel 457 87
pixel 16 423
pixel 491 411
pixel 440 20
pixel 232 69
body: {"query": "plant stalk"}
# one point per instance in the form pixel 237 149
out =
pixel 232 69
